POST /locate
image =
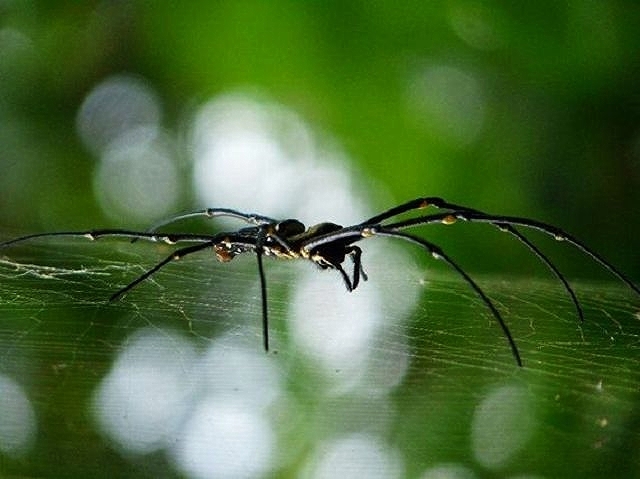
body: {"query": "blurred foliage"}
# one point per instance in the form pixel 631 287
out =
pixel 555 134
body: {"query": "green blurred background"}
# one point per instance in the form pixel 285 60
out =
pixel 528 109
pixel 521 108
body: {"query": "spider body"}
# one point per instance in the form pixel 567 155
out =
pixel 287 239
pixel 328 245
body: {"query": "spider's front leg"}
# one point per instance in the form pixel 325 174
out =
pixel 347 281
pixel 332 260
pixel 333 263
pixel 358 271
pixel 331 250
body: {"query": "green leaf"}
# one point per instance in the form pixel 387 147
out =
pixel 429 386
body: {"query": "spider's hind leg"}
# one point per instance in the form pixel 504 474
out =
pixel 437 253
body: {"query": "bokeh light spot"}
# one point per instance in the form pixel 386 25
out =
pixel 448 471
pixel 137 176
pixel 502 425
pixel 249 153
pixel 447 101
pixel 17 419
pixel 116 106
pixel 225 440
pixel 355 456
pixel 141 402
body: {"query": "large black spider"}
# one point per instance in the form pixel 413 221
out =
pixel 328 245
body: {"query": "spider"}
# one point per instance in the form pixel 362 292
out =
pixel 328 245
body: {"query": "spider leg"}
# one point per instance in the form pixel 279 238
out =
pixel 243 242
pixel 347 281
pixel 350 234
pixel 265 232
pixel 437 253
pixel 364 275
pixel 326 262
pixel 278 239
pixel 250 218
pixel 355 252
pixel 263 295
pixel 418 203
pixel 176 255
pixel 443 204
pixel 545 259
pixel 436 202
pixel 115 233
pixel 357 232
pixel 478 217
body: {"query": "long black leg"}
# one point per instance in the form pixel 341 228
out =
pixel 278 239
pixel 347 282
pixel 263 234
pixel 555 232
pixel 355 233
pixel 355 252
pixel 250 218
pixel 436 202
pixel 176 255
pixel 350 234
pixel 441 203
pixel 523 239
pixel 416 204
pixel 437 253
pixel 117 233
pixel 263 295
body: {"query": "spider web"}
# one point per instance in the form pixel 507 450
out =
pixel 415 384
